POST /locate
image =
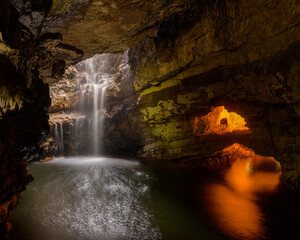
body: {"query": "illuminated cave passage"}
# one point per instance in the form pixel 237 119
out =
pixel 163 119
pixel 218 121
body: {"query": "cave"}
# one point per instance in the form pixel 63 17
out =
pixel 171 119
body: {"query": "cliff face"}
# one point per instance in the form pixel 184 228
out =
pixel 241 55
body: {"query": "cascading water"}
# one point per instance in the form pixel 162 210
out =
pixel 61 138
pixel 96 81
pixel 86 118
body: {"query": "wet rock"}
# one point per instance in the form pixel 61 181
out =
pixel 236 55
pixel 190 56
pixel 123 123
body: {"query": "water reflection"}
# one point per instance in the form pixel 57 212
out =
pixel 100 198
pixel 233 205
pixel 85 198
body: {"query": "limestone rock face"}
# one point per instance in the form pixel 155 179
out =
pixel 241 55
pixel 68 31
pixel 107 26
pixel 125 131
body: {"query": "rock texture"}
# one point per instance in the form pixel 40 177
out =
pixel 24 101
pixel 188 56
pixel 107 26
pixel 38 40
pixel 241 55
pixel 124 129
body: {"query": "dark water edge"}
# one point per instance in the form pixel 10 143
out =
pixel 106 198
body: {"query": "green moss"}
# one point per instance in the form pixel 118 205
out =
pixel 169 131
pixel 145 76
pixel 161 113
pixel 163 85
pixel 60 6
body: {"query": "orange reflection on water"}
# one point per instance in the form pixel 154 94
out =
pixel 235 215
pixel 233 205
pixel 242 179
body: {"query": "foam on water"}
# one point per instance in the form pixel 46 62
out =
pixel 87 198
pixel 92 160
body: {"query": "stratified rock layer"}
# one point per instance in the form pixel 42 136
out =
pixel 107 26
pixel 241 55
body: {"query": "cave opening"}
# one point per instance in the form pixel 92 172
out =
pixel 219 121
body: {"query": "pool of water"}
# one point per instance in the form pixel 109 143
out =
pixel 109 198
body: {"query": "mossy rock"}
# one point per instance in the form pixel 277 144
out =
pixel 60 6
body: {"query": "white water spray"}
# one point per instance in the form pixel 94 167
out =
pixel 86 119
pixel 96 82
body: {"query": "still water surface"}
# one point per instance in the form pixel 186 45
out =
pixel 108 198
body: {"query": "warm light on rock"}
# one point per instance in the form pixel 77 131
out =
pixel 218 121
pixel 253 162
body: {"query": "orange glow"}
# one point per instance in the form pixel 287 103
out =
pixel 237 150
pixel 235 215
pixel 8 229
pixel 254 162
pixel 233 204
pixel 244 179
pixel 218 121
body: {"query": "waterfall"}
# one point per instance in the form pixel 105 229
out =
pixel 91 104
pixel 97 82
pixel 59 138
pixel 95 131
pixel 81 128
pixel 56 138
pixel 102 117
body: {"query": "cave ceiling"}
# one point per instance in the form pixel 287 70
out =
pixel 66 32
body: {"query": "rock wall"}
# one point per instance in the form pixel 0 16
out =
pixel 24 101
pixel 125 131
pixel 239 54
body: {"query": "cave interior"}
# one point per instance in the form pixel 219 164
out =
pixel 194 84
